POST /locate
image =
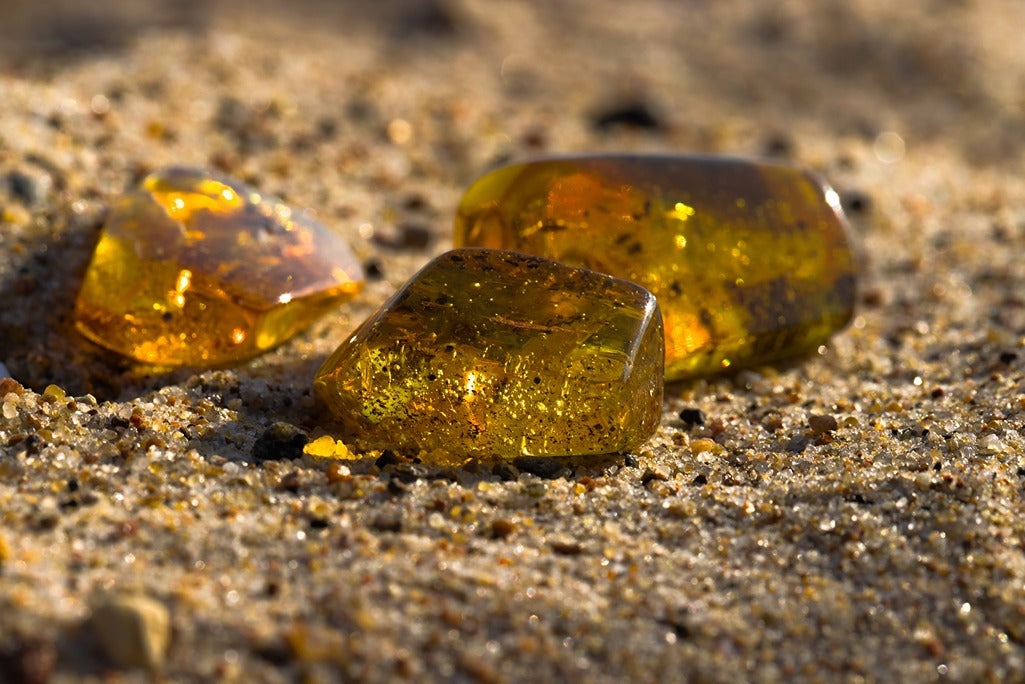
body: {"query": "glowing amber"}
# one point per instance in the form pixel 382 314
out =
pixel 749 260
pixel 192 269
pixel 487 353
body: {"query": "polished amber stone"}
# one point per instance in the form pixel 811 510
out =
pixel 487 353
pixel 749 260
pixel 194 269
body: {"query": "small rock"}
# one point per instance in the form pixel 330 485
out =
pixel 280 441
pixel 505 471
pixel 387 458
pixel 822 424
pixel 387 521
pixel 635 114
pixel 547 468
pixel 29 662
pixel 692 417
pixel 134 630
pixel 567 546
pixel 660 473
pixel 4 373
pixel 797 443
pixel 502 528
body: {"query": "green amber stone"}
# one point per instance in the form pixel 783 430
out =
pixel 197 269
pixel 488 353
pixel 749 260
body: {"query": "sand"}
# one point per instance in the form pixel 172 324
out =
pixel 765 544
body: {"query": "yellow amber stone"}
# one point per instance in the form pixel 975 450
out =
pixel 487 353
pixel 750 261
pixel 195 269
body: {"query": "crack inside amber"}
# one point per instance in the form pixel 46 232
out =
pixel 750 261
pixel 192 269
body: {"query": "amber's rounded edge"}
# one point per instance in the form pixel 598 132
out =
pixel 832 199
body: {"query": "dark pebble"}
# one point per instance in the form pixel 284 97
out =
pixel 280 441
pixel 654 474
pixel 699 479
pixel 797 444
pixel 779 145
pixel 291 482
pixel 506 471
pixel 387 458
pixel 319 523
pixel 372 269
pixel 29 662
pixel 388 521
pixel 692 417
pixel 1008 357
pixel 855 202
pixel 502 528
pixel 629 114
pixel 409 472
pixel 821 424
pixel 536 465
pixel 23 187
pixel 630 461
pixel 409 236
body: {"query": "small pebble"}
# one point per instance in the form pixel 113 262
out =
pixel 502 528
pixel 4 373
pixel 28 662
pixel 542 467
pixel 692 417
pixel 821 424
pixel 280 441
pixel 133 629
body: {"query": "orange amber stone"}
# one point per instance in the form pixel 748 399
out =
pixel 195 269
pixel 749 260
pixel 490 354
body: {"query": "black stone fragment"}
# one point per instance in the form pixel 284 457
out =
pixel 30 661
pixel 506 471
pixel 280 441
pixel 542 467
pixel 629 114
pixel 692 417
pixel 372 269
pixel 855 202
pixel 23 187
pixel 387 458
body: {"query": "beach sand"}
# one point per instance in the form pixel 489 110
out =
pixel 766 544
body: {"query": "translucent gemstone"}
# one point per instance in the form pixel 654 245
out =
pixel 749 260
pixel 487 353
pixel 193 269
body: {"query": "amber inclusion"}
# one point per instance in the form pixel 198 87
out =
pixel 749 260
pixel 196 269
pixel 488 353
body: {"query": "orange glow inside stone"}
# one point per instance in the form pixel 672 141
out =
pixel 750 261
pixel 194 269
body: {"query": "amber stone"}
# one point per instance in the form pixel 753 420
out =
pixel 750 261
pixel 488 353
pixel 196 269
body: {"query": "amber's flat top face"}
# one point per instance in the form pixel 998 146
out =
pixel 192 268
pixel 488 353
pixel 750 261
